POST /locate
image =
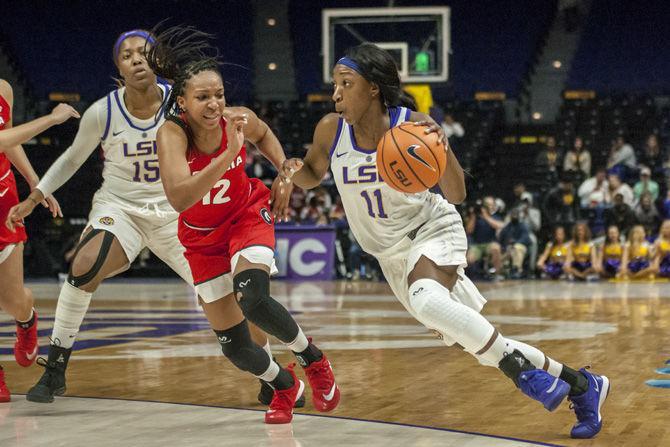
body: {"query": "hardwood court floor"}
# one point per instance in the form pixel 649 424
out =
pixel 147 341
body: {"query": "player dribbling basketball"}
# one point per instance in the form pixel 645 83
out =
pixel 419 238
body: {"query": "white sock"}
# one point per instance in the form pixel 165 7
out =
pixel 32 312
pixel 70 311
pixel 271 373
pixel 536 357
pixel 267 349
pixel 300 342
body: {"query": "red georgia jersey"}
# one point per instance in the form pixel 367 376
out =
pixel 5 117
pixel 227 198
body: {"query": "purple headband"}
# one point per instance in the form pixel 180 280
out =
pixel 133 33
pixel 347 62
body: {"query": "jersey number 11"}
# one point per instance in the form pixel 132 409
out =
pixel 380 205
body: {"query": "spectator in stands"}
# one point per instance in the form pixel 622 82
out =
pixel 594 192
pixel 515 241
pixel 622 158
pixel 355 258
pixel 549 158
pixel 652 156
pixel 561 206
pixel 531 216
pixel 647 215
pixel 520 194
pixel 577 160
pixel 645 185
pixel 258 166
pixel 581 259
pixel 616 186
pixel 620 214
pixel 336 213
pixel 451 127
pixel 297 204
pixel 322 195
pixel 553 258
pixel 482 222
pixel 311 214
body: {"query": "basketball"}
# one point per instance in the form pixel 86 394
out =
pixel 410 160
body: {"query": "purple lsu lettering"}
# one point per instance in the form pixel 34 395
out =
pixel 364 174
pixel 142 149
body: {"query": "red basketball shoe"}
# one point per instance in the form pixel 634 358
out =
pixel 4 392
pixel 281 407
pixel 25 348
pixel 325 392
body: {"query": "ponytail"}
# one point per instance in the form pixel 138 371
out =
pixel 179 53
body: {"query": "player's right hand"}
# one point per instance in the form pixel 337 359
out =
pixel 63 112
pixel 235 131
pixel 18 212
pixel 290 167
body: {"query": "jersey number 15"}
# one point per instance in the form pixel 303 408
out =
pixel 151 171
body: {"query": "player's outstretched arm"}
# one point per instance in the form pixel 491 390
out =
pixel 12 136
pixel 317 159
pixel 182 189
pixel 452 182
pixel 259 133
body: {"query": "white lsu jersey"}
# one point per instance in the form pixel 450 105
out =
pixel 379 216
pixel 129 145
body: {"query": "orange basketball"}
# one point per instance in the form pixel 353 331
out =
pixel 410 160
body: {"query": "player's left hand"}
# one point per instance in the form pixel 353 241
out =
pixel 280 197
pixel 18 212
pixel 433 127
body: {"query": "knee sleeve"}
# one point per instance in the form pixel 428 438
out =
pixel 252 289
pixel 436 307
pixel 81 280
pixel 238 347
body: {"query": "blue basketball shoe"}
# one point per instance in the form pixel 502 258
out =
pixel 587 406
pixel 543 387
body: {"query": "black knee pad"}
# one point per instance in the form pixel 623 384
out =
pixel 238 347
pixel 107 240
pixel 251 287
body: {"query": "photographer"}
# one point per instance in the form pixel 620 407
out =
pixel 515 240
pixel 482 222
pixel 532 218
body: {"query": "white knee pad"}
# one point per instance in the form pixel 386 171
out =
pixel 437 309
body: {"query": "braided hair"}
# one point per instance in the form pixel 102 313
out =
pixel 377 66
pixel 179 53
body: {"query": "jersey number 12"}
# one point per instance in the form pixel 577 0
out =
pixel 380 205
pixel 219 197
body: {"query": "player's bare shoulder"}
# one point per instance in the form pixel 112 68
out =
pixel 326 131
pixel 171 135
pixel 5 89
